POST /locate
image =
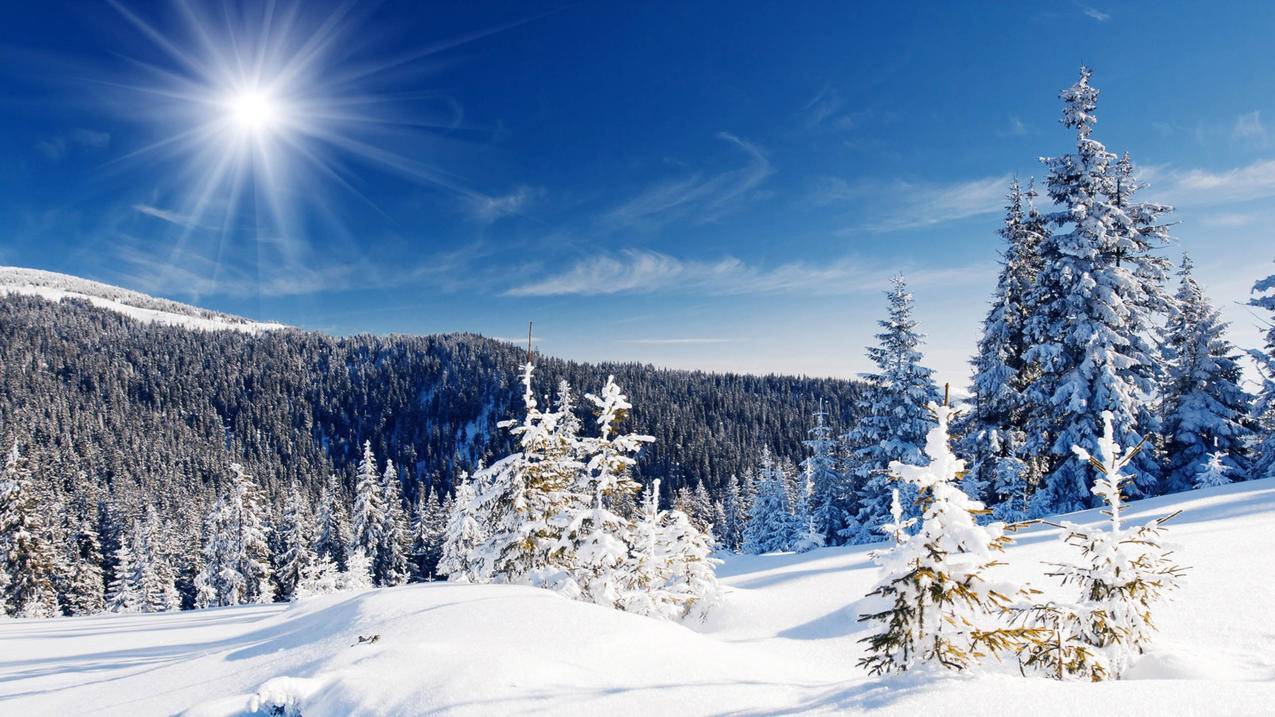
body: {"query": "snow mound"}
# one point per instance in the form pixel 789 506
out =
pixel 784 642
pixel 133 304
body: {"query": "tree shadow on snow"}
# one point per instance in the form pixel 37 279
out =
pixel 839 623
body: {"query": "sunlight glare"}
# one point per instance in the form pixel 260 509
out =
pixel 254 111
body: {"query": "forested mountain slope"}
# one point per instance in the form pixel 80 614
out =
pixel 104 403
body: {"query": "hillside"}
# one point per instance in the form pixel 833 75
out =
pixel 785 642
pixel 117 410
pixel 133 304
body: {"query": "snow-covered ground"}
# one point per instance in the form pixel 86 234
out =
pixel 136 305
pixel 784 643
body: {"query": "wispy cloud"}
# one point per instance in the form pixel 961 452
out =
pixel 57 148
pixel 826 112
pixel 910 205
pixel 706 197
pixel 487 209
pixel 1015 128
pixel 1200 187
pixel 638 271
pixel 181 220
pixel 1094 13
pixel 682 341
pixel 1249 128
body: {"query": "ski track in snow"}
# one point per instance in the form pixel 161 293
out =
pixel 784 643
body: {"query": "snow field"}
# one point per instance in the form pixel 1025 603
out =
pixel 784 642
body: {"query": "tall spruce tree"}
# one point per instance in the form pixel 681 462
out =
pixel 770 522
pixel 332 531
pixel 463 537
pixel 829 498
pixel 28 559
pixel 1205 408
pixel 389 567
pixel 1263 412
pixel 1092 308
pixel 368 519
pixel 145 580
pixel 296 536
pixel 994 435
pixel 894 421
pixel 236 553
pixel 86 583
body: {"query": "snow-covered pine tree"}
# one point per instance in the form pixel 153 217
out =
pixel 770 522
pixel 1215 471
pixel 894 420
pixel 733 516
pixel 686 553
pixel 320 577
pixel 357 575
pixel 389 566
pixel 647 571
pixel 28 559
pixel 1263 411
pixel 1123 572
pixel 333 537
pixel 86 584
pixel 596 538
pixel 295 539
pixel 937 605
pixel 994 425
pixel 463 537
pixel 829 497
pixel 1205 409
pixel 368 518
pixel 1093 305
pixel 805 536
pixel 145 580
pixel 429 532
pixel 236 554
pixel 527 499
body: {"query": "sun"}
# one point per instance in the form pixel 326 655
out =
pixel 254 111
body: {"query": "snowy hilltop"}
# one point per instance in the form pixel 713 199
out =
pixel 134 304
pixel 786 640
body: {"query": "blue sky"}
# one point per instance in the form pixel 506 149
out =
pixel 724 186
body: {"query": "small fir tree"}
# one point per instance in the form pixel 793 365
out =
pixel 937 606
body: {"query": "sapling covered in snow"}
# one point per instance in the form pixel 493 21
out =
pixel 1214 472
pixel 595 537
pixel 527 498
pixel 1123 573
pixel 936 603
